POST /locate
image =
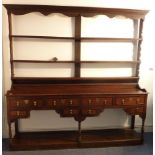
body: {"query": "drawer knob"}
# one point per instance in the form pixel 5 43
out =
pixel 123 101
pixel 89 111
pixel 71 111
pixel 71 102
pixel 54 103
pixel 17 103
pixel 26 101
pixel 89 101
pixel 35 103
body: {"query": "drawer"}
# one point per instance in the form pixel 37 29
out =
pixel 70 112
pixel 28 103
pixel 96 102
pixel 19 104
pixel 70 102
pixel 18 114
pixel 36 104
pixel 59 103
pixel 136 111
pixel 130 100
pixel 89 112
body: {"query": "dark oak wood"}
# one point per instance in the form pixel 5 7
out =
pixel 39 80
pixel 66 61
pixel 67 139
pixel 41 61
pixel 18 9
pixel 97 39
pixel 42 37
pixel 77 45
pixel 77 97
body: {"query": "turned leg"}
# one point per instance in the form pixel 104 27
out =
pixel 79 131
pixel 16 127
pixel 10 131
pixel 142 128
pixel 132 121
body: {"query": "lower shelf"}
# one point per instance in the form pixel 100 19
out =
pixel 69 139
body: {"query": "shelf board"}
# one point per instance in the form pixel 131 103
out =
pixel 40 61
pixel 41 37
pixel 48 61
pixel 128 62
pixel 70 80
pixel 69 139
pixel 96 39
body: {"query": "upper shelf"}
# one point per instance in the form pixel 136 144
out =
pixel 71 11
pixel 97 39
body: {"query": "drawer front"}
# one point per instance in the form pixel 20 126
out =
pixel 19 104
pixel 89 112
pixel 60 103
pixel 26 103
pixel 96 102
pixel 18 114
pixel 136 111
pixel 36 104
pixel 70 112
pixel 130 100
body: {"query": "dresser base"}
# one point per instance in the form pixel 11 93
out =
pixel 70 139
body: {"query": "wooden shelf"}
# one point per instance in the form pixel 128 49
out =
pixel 40 61
pixel 128 62
pixel 46 61
pixel 70 80
pixel 69 139
pixel 41 37
pixel 98 39
pixel 95 39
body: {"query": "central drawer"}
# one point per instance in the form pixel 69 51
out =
pixel 62 102
pixel 96 101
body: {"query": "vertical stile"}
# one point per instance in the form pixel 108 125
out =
pixel 11 43
pixel 77 45
pixel 139 45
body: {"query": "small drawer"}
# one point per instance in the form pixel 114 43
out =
pixel 89 112
pixel 36 104
pixel 96 102
pixel 70 112
pixel 136 111
pixel 54 103
pixel 70 102
pixel 130 100
pixel 18 114
pixel 19 104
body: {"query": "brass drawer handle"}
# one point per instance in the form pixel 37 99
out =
pixel 71 111
pixel 35 103
pixel 71 102
pixel 89 101
pixel 54 103
pixel 17 103
pixel 89 111
pixel 123 101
